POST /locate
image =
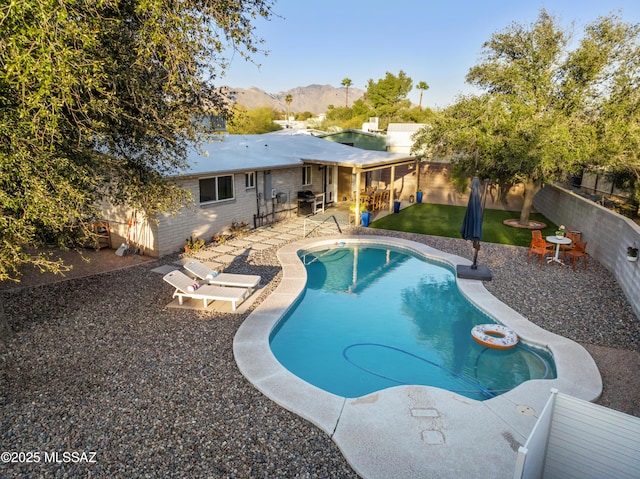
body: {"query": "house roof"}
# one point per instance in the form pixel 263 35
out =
pixel 351 131
pixel 270 151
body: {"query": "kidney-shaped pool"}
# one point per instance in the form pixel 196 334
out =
pixel 374 316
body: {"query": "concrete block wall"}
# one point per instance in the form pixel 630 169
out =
pixel 289 182
pixel 204 221
pixel 142 234
pixel 608 234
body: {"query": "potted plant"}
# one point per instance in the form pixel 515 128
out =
pixel 365 216
pixel 419 195
pixel 632 253
pixel 560 231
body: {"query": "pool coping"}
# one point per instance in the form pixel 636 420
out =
pixel 409 431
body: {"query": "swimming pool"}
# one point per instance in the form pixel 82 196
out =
pixel 374 317
pixel 409 431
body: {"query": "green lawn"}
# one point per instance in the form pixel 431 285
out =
pixel 445 220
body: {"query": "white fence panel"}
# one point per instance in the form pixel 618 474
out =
pixel 577 439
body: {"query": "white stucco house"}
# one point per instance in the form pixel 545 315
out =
pixel 399 136
pixel 251 178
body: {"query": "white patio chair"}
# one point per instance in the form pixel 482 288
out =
pixel 203 272
pixel 188 288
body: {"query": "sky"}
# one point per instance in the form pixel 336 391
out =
pixel 435 41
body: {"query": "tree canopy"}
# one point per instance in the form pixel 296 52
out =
pixel 545 107
pixel 102 100
pixel 253 122
pixel 386 98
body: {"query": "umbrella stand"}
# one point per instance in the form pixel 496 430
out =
pixel 476 247
pixel 472 229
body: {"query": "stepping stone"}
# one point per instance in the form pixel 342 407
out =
pixel 205 255
pixel 261 246
pixel 242 243
pixel 289 236
pixel 222 248
pixel 273 241
pixel 226 258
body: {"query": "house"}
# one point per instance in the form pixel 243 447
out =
pixel 255 179
pixel 358 138
pixel 399 136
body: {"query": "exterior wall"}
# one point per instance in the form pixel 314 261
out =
pixel 171 231
pixel 142 234
pixel 608 234
pixel 289 182
pixel 399 136
pixel 437 188
pixel 598 185
pixel 204 221
pixel 404 184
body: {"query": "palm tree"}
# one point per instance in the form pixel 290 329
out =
pixel 422 86
pixel 288 99
pixel 347 83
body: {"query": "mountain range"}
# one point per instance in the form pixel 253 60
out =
pixel 313 98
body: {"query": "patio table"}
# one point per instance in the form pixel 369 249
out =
pixel 557 240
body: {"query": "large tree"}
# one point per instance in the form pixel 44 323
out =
pixel 253 122
pixel 346 83
pixel 422 86
pixel 538 118
pixel 389 96
pixel 102 100
pixel 618 128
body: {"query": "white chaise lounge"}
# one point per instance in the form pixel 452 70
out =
pixel 203 272
pixel 188 288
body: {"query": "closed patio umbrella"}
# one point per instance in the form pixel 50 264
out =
pixel 472 230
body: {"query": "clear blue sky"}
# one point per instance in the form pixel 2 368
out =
pixel 435 41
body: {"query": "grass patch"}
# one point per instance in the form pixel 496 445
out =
pixel 446 220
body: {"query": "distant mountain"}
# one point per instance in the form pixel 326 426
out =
pixel 313 98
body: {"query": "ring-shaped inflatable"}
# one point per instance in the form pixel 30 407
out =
pixel 494 336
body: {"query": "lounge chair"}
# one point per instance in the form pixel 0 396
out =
pixel 203 272
pixel 188 288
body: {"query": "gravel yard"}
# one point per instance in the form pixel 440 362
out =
pixel 99 364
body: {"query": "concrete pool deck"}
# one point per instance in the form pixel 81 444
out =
pixel 413 431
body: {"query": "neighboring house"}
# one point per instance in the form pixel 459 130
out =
pixel 399 136
pixel 357 138
pixel 252 178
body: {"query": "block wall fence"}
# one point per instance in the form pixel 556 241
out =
pixel 608 234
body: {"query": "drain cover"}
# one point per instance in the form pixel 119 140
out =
pixel 525 410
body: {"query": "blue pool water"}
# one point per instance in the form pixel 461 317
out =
pixel 377 317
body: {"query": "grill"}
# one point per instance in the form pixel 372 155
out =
pixel 305 202
pixel 306 195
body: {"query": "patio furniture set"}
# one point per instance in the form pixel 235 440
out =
pixel 208 285
pixel 569 245
pixel 373 199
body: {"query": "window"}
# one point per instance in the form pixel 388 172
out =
pixel 250 180
pixel 306 175
pixel 214 189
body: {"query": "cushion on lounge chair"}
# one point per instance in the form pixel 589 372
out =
pixel 202 271
pixel 206 292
